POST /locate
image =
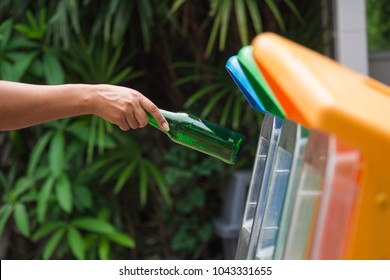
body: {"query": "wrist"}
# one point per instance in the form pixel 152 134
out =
pixel 85 96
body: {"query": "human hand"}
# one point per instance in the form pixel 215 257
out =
pixel 125 107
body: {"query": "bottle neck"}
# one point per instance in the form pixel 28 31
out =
pixel 169 116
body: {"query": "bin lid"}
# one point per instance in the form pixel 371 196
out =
pixel 260 86
pixel 234 69
pixel 322 93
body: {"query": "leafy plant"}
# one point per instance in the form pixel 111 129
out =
pixel 16 53
pixel 16 196
pixel 378 27
pixel 218 89
pixel 125 164
pixel 97 230
pixel 81 188
pixel 222 11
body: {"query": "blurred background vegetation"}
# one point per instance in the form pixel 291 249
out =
pixel 80 188
pixel 378 24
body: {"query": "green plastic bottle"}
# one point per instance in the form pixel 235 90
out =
pixel 202 135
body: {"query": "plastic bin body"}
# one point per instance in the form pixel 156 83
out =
pixel 292 186
pixel 308 197
pixel 338 202
pixel 333 99
pixel 268 139
pixel 289 142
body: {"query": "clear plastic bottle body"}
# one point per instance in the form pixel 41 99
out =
pixel 202 135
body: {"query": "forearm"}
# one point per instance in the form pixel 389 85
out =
pixel 23 105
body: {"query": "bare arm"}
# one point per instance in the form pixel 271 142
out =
pixel 23 105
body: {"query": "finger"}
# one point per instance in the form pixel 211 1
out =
pixel 123 125
pixel 150 107
pixel 141 116
pixel 132 121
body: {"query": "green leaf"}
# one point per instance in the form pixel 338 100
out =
pixel 104 249
pixel 188 78
pixel 31 20
pixel 99 164
pixel 82 133
pixel 114 60
pixel 24 29
pixel 22 43
pixel 92 138
pixel 241 22
pixel 175 6
pixel 42 20
pixel 5 212
pixel 213 101
pixel 64 193
pixel 226 110
pixel 36 68
pixel 53 70
pixel 5 33
pixel 121 21
pixel 111 173
pixel 43 198
pixel 56 154
pixel 21 63
pixel 294 10
pixel 76 243
pixel 21 219
pixel 83 196
pixel 52 243
pixel 213 34
pixel 237 114
pixel 255 15
pixel 46 229
pixel 101 134
pixel 42 172
pixel 225 10
pixel 93 225
pixel 37 153
pixel 214 4
pixel 146 18
pixel 124 176
pixel 276 13
pixel 143 183
pixel 202 92
pixel 120 78
pixel 22 185
pixel 159 179
pixel 6 71
pixel 122 239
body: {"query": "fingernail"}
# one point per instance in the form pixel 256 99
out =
pixel 165 126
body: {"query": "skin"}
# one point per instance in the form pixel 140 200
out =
pixel 24 105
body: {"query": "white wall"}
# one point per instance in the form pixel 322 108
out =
pixel 350 34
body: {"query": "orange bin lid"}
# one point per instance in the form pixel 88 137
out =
pixel 322 94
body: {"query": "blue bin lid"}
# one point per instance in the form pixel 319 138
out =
pixel 234 69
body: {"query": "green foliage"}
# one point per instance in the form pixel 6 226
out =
pixel 17 54
pixel 193 216
pixel 378 26
pixel 241 11
pixel 82 189
pixel 25 53
pixel 217 88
